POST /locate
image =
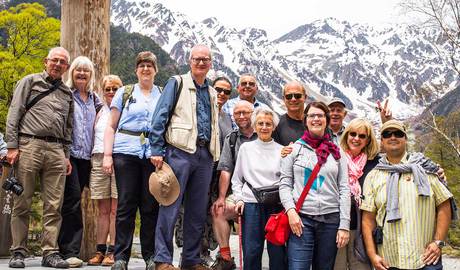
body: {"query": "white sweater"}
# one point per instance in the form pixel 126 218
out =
pixel 258 163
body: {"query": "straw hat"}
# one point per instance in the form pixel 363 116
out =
pixel 163 185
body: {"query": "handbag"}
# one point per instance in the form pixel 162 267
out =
pixel 277 229
pixel 268 196
pixel 359 249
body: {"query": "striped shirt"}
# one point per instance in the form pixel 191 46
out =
pixel 405 240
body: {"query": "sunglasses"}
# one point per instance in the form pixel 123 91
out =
pixel 398 134
pixel 354 134
pixel 111 89
pixel 291 96
pixel 245 84
pixel 220 90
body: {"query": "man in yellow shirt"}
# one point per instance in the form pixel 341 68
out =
pixel 407 204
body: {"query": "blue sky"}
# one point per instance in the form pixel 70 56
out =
pixel 279 17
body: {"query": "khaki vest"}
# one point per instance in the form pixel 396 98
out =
pixel 182 131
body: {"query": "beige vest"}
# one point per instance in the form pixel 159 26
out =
pixel 182 130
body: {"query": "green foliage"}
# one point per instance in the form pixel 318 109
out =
pixel 27 36
pixel 53 7
pixel 442 152
pixel 124 49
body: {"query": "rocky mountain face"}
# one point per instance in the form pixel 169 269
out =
pixel 358 63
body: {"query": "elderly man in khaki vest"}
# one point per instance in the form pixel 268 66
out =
pixel 185 134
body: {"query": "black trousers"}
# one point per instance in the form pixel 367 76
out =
pixel 71 233
pixel 132 176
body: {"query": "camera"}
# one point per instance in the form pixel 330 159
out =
pixel 12 184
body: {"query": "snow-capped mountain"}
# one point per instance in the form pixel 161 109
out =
pixel 358 63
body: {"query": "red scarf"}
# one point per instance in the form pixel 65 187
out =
pixel 323 146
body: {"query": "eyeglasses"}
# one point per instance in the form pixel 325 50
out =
pixel 220 90
pixel 291 96
pixel 205 60
pixel 246 84
pixel 58 61
pixel 242 113
pixel 111 89
pixel 354 134
pixel 142 66
pixel 386 134
pixel 264 124
pixel 314 115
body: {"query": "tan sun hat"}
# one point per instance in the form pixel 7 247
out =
pixel 394 124
pixel 163 185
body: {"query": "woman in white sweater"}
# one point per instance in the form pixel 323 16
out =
pixel 257 165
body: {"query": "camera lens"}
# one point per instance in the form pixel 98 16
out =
pixel 17 189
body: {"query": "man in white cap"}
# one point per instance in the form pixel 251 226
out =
pixel 337 108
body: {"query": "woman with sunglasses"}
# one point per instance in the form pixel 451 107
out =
pixel 102 186
pixel 323 222
pixel 361 149
pixel 223 87
pixel 127 152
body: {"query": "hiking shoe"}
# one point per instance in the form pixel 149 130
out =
pixel 109 260
pixel 196 267
pixel 17 261
pixel 222 264
pixel 74 262
pixel 54 260
pixel 96 259
pixel 165 266
pixel 119 265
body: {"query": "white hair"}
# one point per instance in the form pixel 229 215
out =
pixel 61 49
pixel 82 61
pixel 265 111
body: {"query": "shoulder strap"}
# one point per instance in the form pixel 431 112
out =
pixel 176 98
pixel 232 142
pixel 127 94
pixel 179 90
pixel 99 106
pixel 42 95
pixel 307 187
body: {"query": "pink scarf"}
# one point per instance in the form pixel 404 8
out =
pixel 323 146
pixel 355 170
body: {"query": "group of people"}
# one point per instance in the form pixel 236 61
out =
pixel 72 135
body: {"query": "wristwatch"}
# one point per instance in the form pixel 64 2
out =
pixel 440 243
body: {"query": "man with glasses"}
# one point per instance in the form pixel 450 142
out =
pixel 185 134
pixel 247 90
pixel 405 207
pixel 291 126
pixel 223 209
pixel 38 136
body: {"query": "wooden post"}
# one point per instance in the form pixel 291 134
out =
pixel 85 30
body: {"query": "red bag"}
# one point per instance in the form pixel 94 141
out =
pixel 277 228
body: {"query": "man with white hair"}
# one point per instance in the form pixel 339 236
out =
pixel 185 134
pixel 38 136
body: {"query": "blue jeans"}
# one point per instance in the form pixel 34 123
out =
pixel 194 173
pixel 316 247
pixel 255 217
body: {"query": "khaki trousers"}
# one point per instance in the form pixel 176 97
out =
pixel 346 259
pixel 45 160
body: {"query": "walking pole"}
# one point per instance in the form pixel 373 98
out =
pixel 241 241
